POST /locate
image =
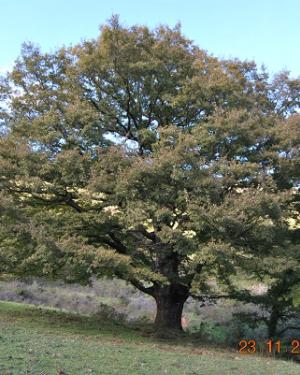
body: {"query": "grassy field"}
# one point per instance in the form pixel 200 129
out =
pixel 47 342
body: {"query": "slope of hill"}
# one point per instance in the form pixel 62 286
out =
pixel 47 342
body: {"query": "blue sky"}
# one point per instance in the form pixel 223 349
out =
pixel 266 31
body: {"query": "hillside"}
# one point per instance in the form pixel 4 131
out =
pixel 43 341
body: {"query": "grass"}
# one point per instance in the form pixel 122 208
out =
pixel 39 341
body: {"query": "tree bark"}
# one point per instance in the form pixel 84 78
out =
pixel 169 303
pixel 272 323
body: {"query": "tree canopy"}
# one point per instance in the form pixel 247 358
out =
pixel 141 156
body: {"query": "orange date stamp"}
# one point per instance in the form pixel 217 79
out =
pixel 249 346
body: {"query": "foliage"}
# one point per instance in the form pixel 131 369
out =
pixel 138 155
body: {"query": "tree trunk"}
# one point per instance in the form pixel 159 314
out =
pixel 272 324
pixel 169 302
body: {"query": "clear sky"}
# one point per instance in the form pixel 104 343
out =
pixel 267 31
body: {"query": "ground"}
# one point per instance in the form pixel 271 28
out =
pixel 39 341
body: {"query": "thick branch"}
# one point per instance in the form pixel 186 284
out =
pixel 142 288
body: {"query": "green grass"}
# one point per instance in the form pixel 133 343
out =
pixel 47 342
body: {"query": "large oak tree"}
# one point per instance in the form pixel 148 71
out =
pixel 139 155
